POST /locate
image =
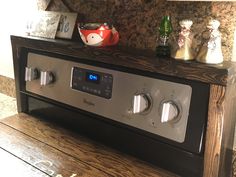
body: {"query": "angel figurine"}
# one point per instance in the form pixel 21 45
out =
pixel 183 49
pixel 211 52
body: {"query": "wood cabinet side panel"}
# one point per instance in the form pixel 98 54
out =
pixel 220 132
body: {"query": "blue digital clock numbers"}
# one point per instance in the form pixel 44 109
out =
pixel 92 77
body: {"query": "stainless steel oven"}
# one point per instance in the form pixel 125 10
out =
pixel 158 118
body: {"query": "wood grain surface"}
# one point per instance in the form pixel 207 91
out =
pixel 131 58
pixel 48 159
pixel 220 132
pixel 214 133
pixel 55 150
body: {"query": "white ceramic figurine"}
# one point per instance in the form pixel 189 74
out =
pixel 211 52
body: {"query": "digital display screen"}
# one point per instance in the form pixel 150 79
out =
pixel 92 77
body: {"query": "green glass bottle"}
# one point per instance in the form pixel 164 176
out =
pixel 165 30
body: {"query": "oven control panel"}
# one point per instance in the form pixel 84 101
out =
pixel 93 82
pixel 157 106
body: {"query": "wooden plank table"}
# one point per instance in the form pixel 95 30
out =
pixel 37 147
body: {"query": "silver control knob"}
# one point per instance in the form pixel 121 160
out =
pixel 31 74
pixel 141 103
pixel 169 112
pixel 46 78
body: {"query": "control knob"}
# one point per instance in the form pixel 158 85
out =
pixel 170 111
pixel 31 74
pixel 141 103
pixel 46 77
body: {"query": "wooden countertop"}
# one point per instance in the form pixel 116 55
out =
pixel 37 147
pixel 220 74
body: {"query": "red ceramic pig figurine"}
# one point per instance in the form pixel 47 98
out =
pixel 101 36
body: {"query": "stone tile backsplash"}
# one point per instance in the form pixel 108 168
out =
pixel 137 20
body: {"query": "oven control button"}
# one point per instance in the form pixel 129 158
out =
pixel 46 78
pixel 31 74
pixel 170 111
pixel 141 103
